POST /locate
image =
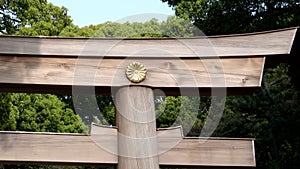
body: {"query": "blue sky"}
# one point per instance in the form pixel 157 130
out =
pixel 87 12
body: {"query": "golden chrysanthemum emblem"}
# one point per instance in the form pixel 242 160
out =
pixel 136 72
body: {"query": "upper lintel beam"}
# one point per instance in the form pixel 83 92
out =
pixel 275 42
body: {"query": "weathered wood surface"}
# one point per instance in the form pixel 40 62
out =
pixel 46 72
pixel 51 148
pixel 56 65
pixel 177 150
pixel 212 152
pixel 261 43
pixel 98 148
pixel 136 121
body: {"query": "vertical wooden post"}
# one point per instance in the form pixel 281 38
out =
pixel 135 118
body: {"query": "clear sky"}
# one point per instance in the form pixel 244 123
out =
pixel 87 12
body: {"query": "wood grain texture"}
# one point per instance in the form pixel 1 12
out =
pixel 193 152
pixel 47 148
pixel 106 73
pixel 209 152
pixel 136 121
pixel 260 43
pixel 51 148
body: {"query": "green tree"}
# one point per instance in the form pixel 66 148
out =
pixel 184 111
pixel 178 27
pixel 32 17
pixel 226 16
pixel 75 31
pixel 172 27
pixel 37 113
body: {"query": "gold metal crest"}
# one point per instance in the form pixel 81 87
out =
pixel 136 72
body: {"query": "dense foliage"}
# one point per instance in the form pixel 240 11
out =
pixel 32 17
pixel 172 27
pixel 228 16
pixel 37 113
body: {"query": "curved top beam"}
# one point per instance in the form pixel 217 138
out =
pixel 276 42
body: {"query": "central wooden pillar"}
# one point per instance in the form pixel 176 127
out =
pixel 135 118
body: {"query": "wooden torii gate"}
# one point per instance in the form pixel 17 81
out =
pixel 131 69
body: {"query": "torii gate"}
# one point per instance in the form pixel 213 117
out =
pixel 131 69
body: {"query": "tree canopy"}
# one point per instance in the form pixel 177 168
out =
pixel 172 27
pixel 226 16
pixel 37 113
pixel 32 17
